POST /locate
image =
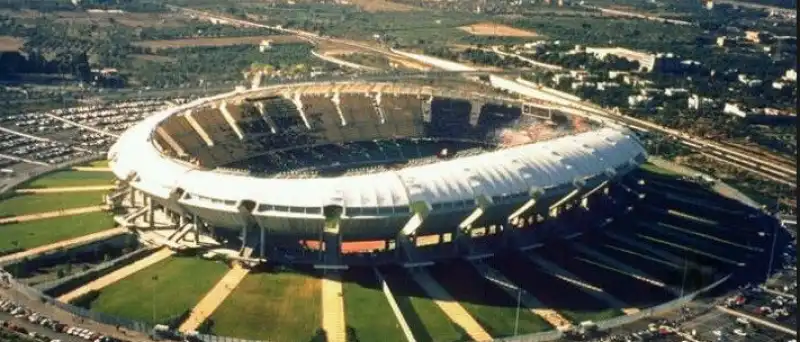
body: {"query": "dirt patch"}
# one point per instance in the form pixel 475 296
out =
pixel 373 6
pixel 127 19
pixel 498 30
pixel 8 43
pixel 224 41
pixel 154 58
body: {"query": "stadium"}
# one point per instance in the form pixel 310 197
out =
pixel 366 171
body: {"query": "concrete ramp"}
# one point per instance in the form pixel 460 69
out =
pixel 672 258
pixel 333 317
pixel 117 275
pixel 214 298
pixel 585 286
pixel 450 306
pixel 623 268
pixel 528 300
pixel 52 214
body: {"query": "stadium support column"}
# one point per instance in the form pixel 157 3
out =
pixel 535 194
pixel 151 214
pixel 406 239
pixel 556 207
pixel 427 108
pixel 133 197
pixel 475 112
pixel 464 232
pixel 198 223
pixel 245 209
pixel 337 103
pixel 298 103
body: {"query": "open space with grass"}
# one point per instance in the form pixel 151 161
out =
pixel 180 283
pixel 363 302
pixel 276 306
pixel 23 204
pixel 493 308
pixel 42 232
pixel 426 320
pixel 71 178
pixel 98 163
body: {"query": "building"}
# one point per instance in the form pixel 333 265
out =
pixel 675 92
pixel 721 40
pixel 699 103
pixel 752 36
pixel 709 5
pixel 790 75
pixel 265 45
pixel 646 61
pixel 639 100
pixel 735 109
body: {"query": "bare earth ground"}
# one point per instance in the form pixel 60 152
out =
pixel 373 6
pixel 223 41
pixel 500 30
pixel 8 43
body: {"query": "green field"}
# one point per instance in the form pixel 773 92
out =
pixel 424 317
pixel 363 301
pixel 494 309
pixel 71 178
pixel 99 163
pixel 652 168
pixel 42 232
pixel 22 204
pixel 181 283
pixel 280 307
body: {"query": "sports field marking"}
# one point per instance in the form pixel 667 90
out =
pixel 51 214
pixel 117 275
pixel 454 311
pixel 92 169
pixel 64 244
pixel 333 318
pixel 214 298
pixel 64 189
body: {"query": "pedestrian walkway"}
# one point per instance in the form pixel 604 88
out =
pixel 214 298
pixel 51 214
pixel 102 235
pixel 65 189
pixel 117 275
pixel 333 321
pixel 91 169
pixel 450 306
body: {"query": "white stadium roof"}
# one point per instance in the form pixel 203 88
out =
pixel 504 172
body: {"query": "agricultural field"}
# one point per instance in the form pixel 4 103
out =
pixel 363 302
pixel 499 30
pixel 8 43
pixel 280 306
pixel 425 318
pixel 42 232
pixel 369 60
pixel 161 293
pixel 70 178
pixel 23 204
pixel 221 41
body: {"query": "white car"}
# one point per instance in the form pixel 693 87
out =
pixel 739 332
pixel 717 333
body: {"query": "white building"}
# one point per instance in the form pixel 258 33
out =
pixel 671 92
pixel 639 100
pixel 697 102
pixel 790 75
pixel 734 109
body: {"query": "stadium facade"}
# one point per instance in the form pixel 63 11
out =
pixel 297 171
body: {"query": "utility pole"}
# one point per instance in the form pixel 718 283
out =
pixel 516 320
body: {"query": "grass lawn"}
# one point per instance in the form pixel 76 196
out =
pixel 71 178
pixel 494 309
pixel 21 204
pixel 363 302
pixel 99 163
pixel 41 232
pixel 652 168
pixel 281 307
pixel 424 317
pixel 181 283
pixel 590 315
